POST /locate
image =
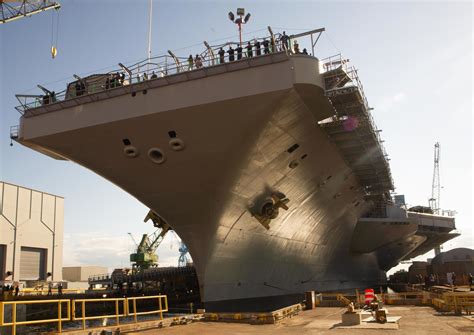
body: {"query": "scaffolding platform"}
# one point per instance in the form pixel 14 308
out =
pixel 353 129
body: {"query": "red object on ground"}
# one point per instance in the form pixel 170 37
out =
pixel 369 295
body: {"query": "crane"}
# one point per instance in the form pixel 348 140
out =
pixel 183 255
pixel 11 10
pixel 434 201
pixel 145 255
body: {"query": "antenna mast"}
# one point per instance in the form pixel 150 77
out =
pixel 435 199
pixel 150 16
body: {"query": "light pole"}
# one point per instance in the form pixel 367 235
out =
pixel 240 20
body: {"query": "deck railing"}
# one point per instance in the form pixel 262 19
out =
pixel 153 68
pixel 170 64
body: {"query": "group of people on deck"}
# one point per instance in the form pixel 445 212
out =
pixel 257 48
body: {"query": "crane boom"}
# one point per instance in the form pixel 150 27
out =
pixel 11 10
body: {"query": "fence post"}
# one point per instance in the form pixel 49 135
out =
pixel 135 310
pixel 117 311
pixel 161 309
pixel 2 317
pixel 14 318
pixel 60 328
pixel 83 313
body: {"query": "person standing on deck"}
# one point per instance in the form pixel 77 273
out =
pixel 284 41
pixel 231 53
pixel 198 62
pixel 221 54
pixel 266 47
pixel 190 62
pixel 258 52
pixel 239 52
pixel 296 47
pixel 249 49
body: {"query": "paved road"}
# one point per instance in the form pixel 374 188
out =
pixel 326 320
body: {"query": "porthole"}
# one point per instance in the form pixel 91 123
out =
pixel 293 164
pixel 176 144
pixel 130 151
pixel 156 156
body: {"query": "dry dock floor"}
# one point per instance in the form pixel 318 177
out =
pixel 326 320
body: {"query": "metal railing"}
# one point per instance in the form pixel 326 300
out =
pixel 162 66
pixel 121 310
pixel 456 302
pixel 162 306
pixel 117 302
pixel 54 291
pixel 14 322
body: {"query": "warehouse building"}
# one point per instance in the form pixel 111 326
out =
pixel 31 234
pixel 460 261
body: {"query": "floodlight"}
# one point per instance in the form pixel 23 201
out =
pixel 247 17
pixel 231 16
pixel 241 11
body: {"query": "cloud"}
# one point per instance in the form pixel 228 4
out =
pixel 112 251
pixel 388 103
pixel 400 96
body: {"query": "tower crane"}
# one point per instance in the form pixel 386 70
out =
pixel 11 10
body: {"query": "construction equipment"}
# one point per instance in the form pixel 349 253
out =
pixel 183 255
pixel 435 200
pixel 145 256
pixel 13 9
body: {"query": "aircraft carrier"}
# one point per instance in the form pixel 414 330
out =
pixel 270 168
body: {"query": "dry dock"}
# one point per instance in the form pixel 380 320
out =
pixel 327 320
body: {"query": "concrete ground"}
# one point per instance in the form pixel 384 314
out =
pixel 325 320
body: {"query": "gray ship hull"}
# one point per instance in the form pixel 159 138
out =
pixel 247 134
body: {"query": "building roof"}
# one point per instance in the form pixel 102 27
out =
pixel 455 255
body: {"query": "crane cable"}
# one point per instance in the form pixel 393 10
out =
pixel 54 38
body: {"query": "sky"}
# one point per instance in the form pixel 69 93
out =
pixel 414 59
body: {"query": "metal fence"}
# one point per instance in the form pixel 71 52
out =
pixel 158 304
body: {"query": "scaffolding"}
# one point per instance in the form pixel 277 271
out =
pixel 353 130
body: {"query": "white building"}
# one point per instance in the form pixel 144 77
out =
pixel 31 234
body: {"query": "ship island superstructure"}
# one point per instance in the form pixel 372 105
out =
pixel 270 168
